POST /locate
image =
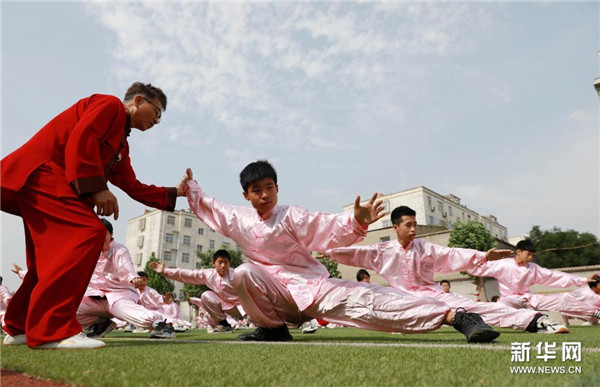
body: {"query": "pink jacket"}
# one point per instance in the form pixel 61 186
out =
pixel 280 244
pixel 583 301
pixel 515 280
pixel 209 277
pixel 411 268
pixel 113 274
pixel 5 297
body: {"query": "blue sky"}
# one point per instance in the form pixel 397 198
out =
pixel 492 102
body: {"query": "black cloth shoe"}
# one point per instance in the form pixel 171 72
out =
pixel 162 330
pixel 101 329
pixel 472 326
pixel 268 334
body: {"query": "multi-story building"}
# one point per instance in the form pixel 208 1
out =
pixel 175 238
pixel 434 209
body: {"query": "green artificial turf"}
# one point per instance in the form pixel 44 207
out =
pixel 330 357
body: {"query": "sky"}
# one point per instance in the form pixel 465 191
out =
pixel 492 102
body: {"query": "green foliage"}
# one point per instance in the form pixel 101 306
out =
pixel 471 235
pixel 157 281
pixel 565 240
pixel 205 262
pixel 332 267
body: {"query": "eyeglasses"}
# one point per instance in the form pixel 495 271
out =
pixel 158 110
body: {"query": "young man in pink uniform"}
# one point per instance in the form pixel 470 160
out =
pixel 583 303
pixel 111 293
pixel 408 265
pixel 282 281
pixel 221 299
pixel 5 297
pixel 516 275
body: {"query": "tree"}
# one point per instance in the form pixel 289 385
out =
pixel 332 267
pixel 205 262
pixel 157 281
pixel 557 248
pixel 472 235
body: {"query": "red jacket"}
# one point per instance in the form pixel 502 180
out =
pixel 86 146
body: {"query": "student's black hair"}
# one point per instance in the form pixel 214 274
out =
pixel 108 225
pixel 256 171
pixel 142 274
pixel 221 254
pixel 526 245
pixel 401 211
pixel 592 284
pixel 1 280
pixel 362 273
pixel 445 282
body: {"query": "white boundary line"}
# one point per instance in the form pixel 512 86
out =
pixel 490 347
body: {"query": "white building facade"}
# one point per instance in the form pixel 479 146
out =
pixel 434 209
pixel 175 238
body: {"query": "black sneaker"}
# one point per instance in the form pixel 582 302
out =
pixel 268 334
pixel 100 330
pixel 162 330
pixel 472 326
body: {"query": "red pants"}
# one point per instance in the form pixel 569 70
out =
pixel 63 238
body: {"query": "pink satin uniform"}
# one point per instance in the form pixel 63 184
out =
pixel 5 297
pixel 111 294
pixel 218 302
pixel 582 303
pixel 514 281
pixel 411 270
pixel 282 281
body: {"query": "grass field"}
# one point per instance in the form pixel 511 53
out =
pixel 330 357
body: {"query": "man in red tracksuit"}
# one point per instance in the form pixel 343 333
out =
pixel 54 182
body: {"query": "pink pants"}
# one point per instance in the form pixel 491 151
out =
pixel 570 307
pixel 533 301
pixel 492 313
pixel 214 308
pixel 355 304
pixel 125 309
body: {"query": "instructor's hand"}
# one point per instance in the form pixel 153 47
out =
pixel 106 203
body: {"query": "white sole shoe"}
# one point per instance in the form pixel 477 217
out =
pixel 14 340
pixel 79 341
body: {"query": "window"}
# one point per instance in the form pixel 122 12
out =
pixel 384 239
pixel 187 222
pixel 211 230
pixel 200 231
pixel 199 248
pixel 138 259
pixel 430 220
pixel 142 224
pixel 225 245
pixel 211 244
pixel 185 257
pixel 440 206
pixel 386 206
pixel 386 223
pixel 450 210
pixel 198 265
pixel 140 241
pixel 169 238
pixel 429 203
pixel 171 220
pixel 181 294
pixel 167 256
pixel 187 240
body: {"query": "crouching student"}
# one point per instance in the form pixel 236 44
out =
pixel 221 300
pixel 408 264
pixel 282 281
pixel 582 303
pixel 111 293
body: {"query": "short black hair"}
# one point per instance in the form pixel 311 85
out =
pixel 256 171
pixel 362 273
pixel 401 211
pixel 1 280
pixel 592 284
pixel 526 245
pixel 142 274
pixel 148 91
pixel 221 254
pixel 445 282
pixel 108 225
